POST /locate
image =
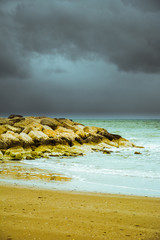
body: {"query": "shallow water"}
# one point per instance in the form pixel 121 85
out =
pixel 122 171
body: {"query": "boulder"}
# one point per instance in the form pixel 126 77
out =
pixel 47 127
pixel 79 127
pixel 43 151
pixel 82 134
pixel 79 124
pixel 4 121
pixel 50 123
pixel 6 127
pixel 93 139
pixel 18 153
pixel 44 148
pixel 37 127
pixel 25 139
pixel 15 116
pixel 137 153
pixel 67 134
pixel 28 153
pixel 111 143
pixel 14 153
pixel 64 150
pixel 3 144
pixel 108 135
pixel 50 133
pixel 38 136
pixel 10 139
pixel 65 121
pixel 28 122
pixel 15 120
pixel 106 152
pixel 27 129
pixel 13 129
pixel 91 130
pixel 32 127
pixel 122 142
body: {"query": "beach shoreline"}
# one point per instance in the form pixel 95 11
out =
pixel 33 213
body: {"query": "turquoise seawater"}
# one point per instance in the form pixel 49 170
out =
pixel 122 171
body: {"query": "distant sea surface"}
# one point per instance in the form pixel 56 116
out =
pixel 122 171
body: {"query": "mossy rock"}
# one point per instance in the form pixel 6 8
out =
pixel 18 153
pixel 44 149
pixel 50 123
pixel 14 153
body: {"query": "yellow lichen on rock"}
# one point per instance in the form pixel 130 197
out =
pixel 49 132
pixel 14 153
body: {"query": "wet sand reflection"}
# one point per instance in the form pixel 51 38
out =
pixel 9 171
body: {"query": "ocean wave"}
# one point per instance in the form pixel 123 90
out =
pixel 138 169
pixel 115 172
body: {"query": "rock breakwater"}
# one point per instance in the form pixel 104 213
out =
pixel 36 137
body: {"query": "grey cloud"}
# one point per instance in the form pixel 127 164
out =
pixel 116 32
pixel 13 59
pixel 134 95
pixel 57 70
pixel 74 56
pixel 60 70
pixel 145 5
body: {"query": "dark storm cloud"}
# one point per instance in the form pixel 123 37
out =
pixel 13 60
pixel 117 32
pixel 145 5
pixel 57 70
pixel 88 56
pixel 135 95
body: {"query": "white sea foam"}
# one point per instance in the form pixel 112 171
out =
pixel 131 173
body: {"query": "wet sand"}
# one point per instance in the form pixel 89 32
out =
pixel 27 213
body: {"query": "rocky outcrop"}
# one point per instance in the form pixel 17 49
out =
pixel 35 137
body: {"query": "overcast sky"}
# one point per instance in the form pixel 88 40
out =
pixel 86 57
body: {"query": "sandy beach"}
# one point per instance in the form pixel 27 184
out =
pixel 27 213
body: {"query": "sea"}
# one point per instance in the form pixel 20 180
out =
pixel 121 172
